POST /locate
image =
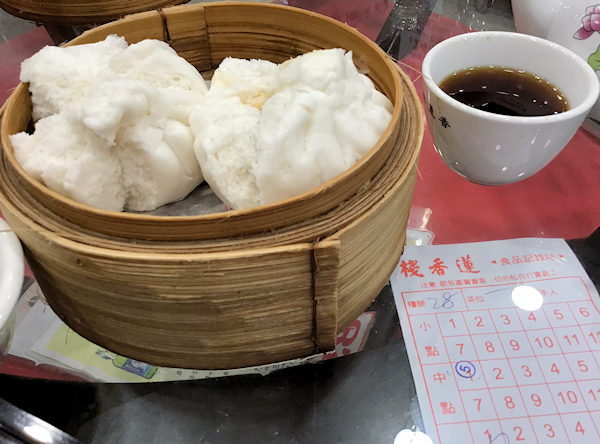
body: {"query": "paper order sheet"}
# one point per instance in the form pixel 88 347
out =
pixel 503 339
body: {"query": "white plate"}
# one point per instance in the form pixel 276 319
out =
pixel 12 268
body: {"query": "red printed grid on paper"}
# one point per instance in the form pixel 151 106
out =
pixel 503 373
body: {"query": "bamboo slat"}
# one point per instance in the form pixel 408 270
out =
pixel 188 35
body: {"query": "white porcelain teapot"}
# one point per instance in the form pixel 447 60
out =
pixel 574 24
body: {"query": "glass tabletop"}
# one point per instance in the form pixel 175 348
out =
pixel 363 390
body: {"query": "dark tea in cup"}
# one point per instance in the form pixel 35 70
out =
pixel 503 90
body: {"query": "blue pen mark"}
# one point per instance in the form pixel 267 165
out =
pixel 465 369
pixel 446 301
pixel 498 289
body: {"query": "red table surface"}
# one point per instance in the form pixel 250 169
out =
pixel 560 201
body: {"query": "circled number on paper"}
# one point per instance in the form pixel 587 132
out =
pixel 465 369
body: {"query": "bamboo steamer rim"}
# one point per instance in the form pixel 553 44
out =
pixel 291 204
pixel 61 12
pixel 83 248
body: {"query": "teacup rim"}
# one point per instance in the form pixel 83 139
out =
pixel 583 108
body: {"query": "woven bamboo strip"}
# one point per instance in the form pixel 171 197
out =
pixel 326 268
pixel 188 35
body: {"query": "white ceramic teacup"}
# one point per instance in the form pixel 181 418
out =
pixel 494 149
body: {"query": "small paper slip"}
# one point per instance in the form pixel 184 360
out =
pixel 503 339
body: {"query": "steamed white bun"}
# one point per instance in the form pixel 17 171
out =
pixel 253 82
pixel 59 76
pixel 157 63
pixel 83 167
pixel 318 117
pixel 227 145
pixel 124 143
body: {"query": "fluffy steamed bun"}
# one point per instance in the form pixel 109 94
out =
pixel 59 77
pixel 267 132
pixel 114 130
pixel 157 63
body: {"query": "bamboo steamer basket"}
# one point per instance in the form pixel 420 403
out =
pixel 77 12
pixel 218 301
pixel 205 35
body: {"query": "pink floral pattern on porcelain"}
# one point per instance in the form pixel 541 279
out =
pixel 591 25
